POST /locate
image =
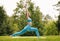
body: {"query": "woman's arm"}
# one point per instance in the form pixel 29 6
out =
pixel 27 14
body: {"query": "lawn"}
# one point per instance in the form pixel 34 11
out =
pixel 30 38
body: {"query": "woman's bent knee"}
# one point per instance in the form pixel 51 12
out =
pixel 36 29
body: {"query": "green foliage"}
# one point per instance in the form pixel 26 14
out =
pixel 22 21
pixel 6 23
pixel 50 28
pixel 58 24
pixel 3 18
pixel 11 27
pixel 58 21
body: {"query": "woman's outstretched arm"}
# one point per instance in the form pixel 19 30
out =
pixel 27 14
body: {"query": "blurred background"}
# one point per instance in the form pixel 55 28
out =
pixel 44 13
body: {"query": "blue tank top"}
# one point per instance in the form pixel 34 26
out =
pixel 29 19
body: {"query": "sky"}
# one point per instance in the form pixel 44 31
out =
pixel 44 5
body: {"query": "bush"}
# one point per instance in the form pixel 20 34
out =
pixel 50 28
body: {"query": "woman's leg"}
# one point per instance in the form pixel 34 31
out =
pixel 21 32
pixel 36 30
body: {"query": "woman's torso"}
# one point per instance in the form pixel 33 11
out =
pixel 29 21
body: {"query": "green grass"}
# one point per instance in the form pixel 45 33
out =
pixel 47 38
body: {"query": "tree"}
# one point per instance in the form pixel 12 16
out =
pixel 3 18
pixel 6 23
pixel 58 22
pixel 51 29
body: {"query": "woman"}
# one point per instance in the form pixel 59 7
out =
pixel 28 27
